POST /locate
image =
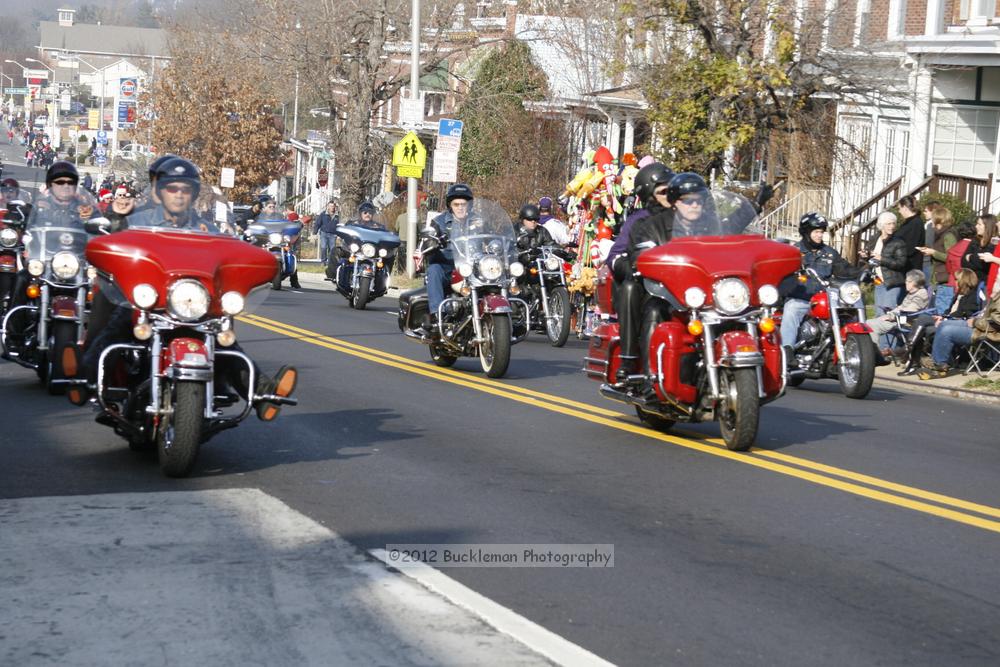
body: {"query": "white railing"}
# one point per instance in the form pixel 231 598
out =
pixel 783 222
pixel 314 203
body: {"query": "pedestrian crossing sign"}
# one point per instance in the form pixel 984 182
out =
pixel 409 152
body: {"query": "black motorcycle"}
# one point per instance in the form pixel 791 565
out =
pixel 544 290
pixel 365 256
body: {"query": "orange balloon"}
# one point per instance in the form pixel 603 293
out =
pixel 603 231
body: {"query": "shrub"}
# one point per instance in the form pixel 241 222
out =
pixel 961 211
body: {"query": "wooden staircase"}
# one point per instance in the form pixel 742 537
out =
pixel 857 228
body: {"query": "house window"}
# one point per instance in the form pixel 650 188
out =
pixel 433 104
pixel 895 153
pixel 965 140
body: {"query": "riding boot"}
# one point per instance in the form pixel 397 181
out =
pixel 628 367
pixel 295 281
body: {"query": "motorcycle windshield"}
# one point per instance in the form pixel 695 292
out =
pixel 56 225
pixel 357 232
pixel 715 213
pixel 487 230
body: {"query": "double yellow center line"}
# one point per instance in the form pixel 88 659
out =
pixel 874 488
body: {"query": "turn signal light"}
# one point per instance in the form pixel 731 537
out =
pixel 533 271
pixel 33 291
pixel 514 289
pixel 226 338
pixel 877 281
pixel 142 331
pixel 379 264
pixel 696 328
pixel 766 325
pixel 466 290
pixel 90 295
pixel 803 278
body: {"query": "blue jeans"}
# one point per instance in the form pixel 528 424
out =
pixel 943 298
pixel 792 314
pixel 327 241
pixel 438 280
pixel 887 298
pixel 949 335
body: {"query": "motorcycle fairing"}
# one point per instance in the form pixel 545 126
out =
pixel 819 305
pixel 855 328
pixel 738 349
pixel 494 303
pixel 669 343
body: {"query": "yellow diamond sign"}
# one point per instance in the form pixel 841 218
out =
pixel 409 152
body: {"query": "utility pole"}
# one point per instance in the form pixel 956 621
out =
pixel 411 183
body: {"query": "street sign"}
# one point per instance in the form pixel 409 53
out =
pixel 448 127
pixel 128 88
pixel 102 136
pixel 100 151
pixel 448 143
pixel 35 74
pixel 64 102
pixel 16 91
pixel 410 172
pixel 445 166
pixel 100 161
pixel 411 112
pixel 409 152
pixel 227 177
pixel 93 119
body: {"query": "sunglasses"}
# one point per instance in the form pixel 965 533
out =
pixel 123 196
pixel 692 201
pixel 175 189
pixel 63 181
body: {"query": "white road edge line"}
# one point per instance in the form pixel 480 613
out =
pixel 532 635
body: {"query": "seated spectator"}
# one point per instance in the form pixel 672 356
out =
pixel 981 244
pixel 964 305
pixel 916 299
pixel 953 334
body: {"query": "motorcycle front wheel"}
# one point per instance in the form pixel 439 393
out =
pixel 178 438
pixel 360 297
pixel 557 324
pixel 494 351
pixel 739 409
pixel 63 335
pixel 856 371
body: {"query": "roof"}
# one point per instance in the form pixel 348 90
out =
pixel 103 39
pixel 570 51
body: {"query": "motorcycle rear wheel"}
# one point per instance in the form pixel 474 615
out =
pixel 360 297
pixel 494 351
pixel 857 372
pixel 557 329
pixel 654 421
pixel 739 409
pixel 440 358
pixel 178 438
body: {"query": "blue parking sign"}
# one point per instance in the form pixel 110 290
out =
pixel 448 127
pixel 100 161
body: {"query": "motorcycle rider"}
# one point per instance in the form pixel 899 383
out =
pixel 176 186
pixel 111 323
pixel 10 190
pixel 440 261
pixel 822 259
pixel 553 225
pixel 154 167
pixel 530 234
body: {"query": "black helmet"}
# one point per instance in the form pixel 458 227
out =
pixel 367 207
pixel 178 170
pixel 685 183
pixel 649 177
pixel 529 212
pixel 811 221
pixel 157 163
pixel 61 169
pixel 458 191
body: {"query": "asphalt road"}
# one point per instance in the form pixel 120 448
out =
pixel 857 532
pixel 860 532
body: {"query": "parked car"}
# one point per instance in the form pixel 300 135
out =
pixel 132 151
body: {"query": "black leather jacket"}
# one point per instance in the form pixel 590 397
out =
pixel 894 260
pixel 530 240
pixel 649 232
pixel 826 262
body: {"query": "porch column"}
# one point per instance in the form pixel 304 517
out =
pixel 920 126
pixel 614 132
pixel 629 146
pixel 934 23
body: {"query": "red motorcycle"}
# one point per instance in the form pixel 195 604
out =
pixel 185 289
pixel 717 355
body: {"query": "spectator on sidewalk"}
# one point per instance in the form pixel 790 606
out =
pixel 911 230
pixel 890 250
pixel 325 226
pixel 981 243
pixel 944 238
pixel 916 299
pixel 951 334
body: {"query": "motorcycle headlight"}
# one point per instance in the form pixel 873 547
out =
pixel 355 247
pixel 552 263
pixel 232 303
pixel 144 296
pixel 36 267
pixel 768 295
pixel 382 252
pixel 694 297
pixel 516 269
pixel 490 267
pixel 274 238
pixel 187 300
pixel 850 293
pixel 731 296
pixel 464 269
pixel 8 238
pixel 65 265
pixel 368 249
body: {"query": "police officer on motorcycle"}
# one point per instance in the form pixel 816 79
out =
pixel 440 261
pixel 819 257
